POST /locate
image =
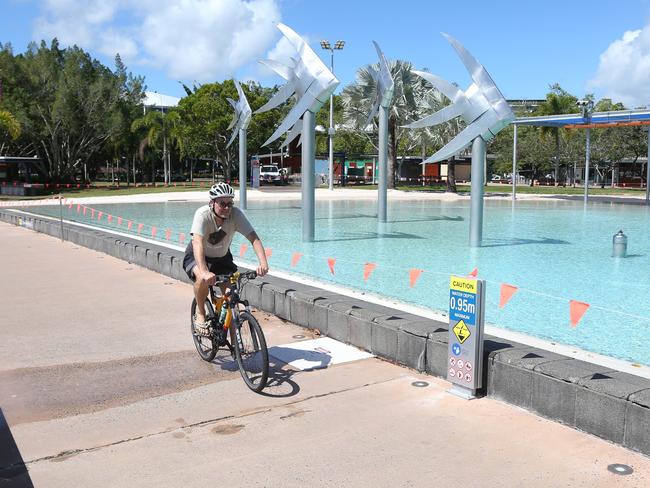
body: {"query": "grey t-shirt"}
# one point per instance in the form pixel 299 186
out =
pixel 216 240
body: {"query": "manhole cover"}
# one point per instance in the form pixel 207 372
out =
pixel 621 469
pixel 419 384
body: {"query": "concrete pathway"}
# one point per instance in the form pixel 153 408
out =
pixel 100 386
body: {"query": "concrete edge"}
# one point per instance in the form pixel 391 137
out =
pixel 609 404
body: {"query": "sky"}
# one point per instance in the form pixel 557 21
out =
pixel 597 46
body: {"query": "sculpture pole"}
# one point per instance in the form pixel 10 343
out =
pixel 242 169
pixel 476 209
pixel 308 168
pixel 383 164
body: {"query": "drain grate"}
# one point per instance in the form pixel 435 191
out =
pixel 621 469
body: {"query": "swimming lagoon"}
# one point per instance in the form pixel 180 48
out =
pixel 553 251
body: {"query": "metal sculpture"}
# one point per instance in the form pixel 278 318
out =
pixel 311 81
pixel 485 111
pixel 381 103
pixel 240 121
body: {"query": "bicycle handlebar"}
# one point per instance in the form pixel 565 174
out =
pixel 227 279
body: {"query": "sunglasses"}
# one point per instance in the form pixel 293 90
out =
pixel 225 204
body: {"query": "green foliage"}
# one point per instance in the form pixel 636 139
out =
pixel 69 105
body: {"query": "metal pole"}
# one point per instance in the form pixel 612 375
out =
pixel 383 164
pixel 242 169
pixel 308 164
pixel 331 131
pixel 61 214
pixel 476 209
pixel 647 170
pixel 587 150
pixel 514 165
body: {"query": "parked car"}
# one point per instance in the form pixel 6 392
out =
pixel 273 175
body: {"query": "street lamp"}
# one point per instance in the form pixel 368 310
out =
pixel 338 45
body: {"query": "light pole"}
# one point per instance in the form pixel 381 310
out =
pixel 587 107
pixel 338 45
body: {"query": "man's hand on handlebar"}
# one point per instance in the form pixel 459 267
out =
pixel 209 278
pixel 262 270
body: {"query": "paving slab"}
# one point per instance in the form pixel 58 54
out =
pixel 102 387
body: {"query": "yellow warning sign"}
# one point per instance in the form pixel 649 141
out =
pixel 468 285
pixel 461 331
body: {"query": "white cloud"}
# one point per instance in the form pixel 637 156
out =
pixel 624 69
pixel 201 40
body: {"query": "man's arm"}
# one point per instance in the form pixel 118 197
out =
pixel 263 267
pixel 204 273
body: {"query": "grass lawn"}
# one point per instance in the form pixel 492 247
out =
pixel 507 189
pixel 102 189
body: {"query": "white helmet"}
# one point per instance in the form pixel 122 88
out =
pixel 221 190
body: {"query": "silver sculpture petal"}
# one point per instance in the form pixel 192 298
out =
pixel 482 106
pixel 308 78
pixel 242 115
pixel 384 83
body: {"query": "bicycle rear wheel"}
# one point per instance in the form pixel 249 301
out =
pixel 205 346
pixel 250 351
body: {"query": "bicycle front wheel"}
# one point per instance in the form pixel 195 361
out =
pixel 250 351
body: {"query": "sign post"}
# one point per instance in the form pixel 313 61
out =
pixel 466 322
pixel 255 173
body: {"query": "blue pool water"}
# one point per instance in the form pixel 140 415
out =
pixel 553 251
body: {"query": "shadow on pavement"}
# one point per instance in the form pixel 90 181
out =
pixel 13 472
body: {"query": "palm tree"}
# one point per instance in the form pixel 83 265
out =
pixel 558 101
pixel 357 103
pixel 159 127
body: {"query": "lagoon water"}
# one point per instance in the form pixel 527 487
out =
pixel 554 251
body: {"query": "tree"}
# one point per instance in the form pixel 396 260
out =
pixel 9 129
pixel 357 99
pixel 65 102
pixel 159 128
pixel 558 101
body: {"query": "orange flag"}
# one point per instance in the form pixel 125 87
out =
pixel 99 215
pixel 92 213
pixel 168 234
pixel 506 294
pixel 576 311
pixel 181 238
pixel 119 221
pixel 414 274
pixel 242 250
pixel 153 231
pixel 70 205
pixel 268 252
pixel 129 225
pixel 331 262
pixel 367 270
pixel 78 208
pixel 110 218
pixel 295 258
pixel 474 273
pixel 85 208
pixel 140 226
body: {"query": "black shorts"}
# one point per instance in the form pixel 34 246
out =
pixel 219 266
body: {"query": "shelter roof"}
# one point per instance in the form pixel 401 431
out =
pixel 616 118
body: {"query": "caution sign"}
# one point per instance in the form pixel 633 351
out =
pixel 461 331
pixel 465 351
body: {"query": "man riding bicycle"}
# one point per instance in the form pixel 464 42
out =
pixel 208 253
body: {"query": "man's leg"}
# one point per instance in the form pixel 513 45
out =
pixel 201 294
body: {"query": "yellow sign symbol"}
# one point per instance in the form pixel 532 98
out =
pixel 461 331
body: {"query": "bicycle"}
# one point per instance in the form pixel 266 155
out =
pixel 247 344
